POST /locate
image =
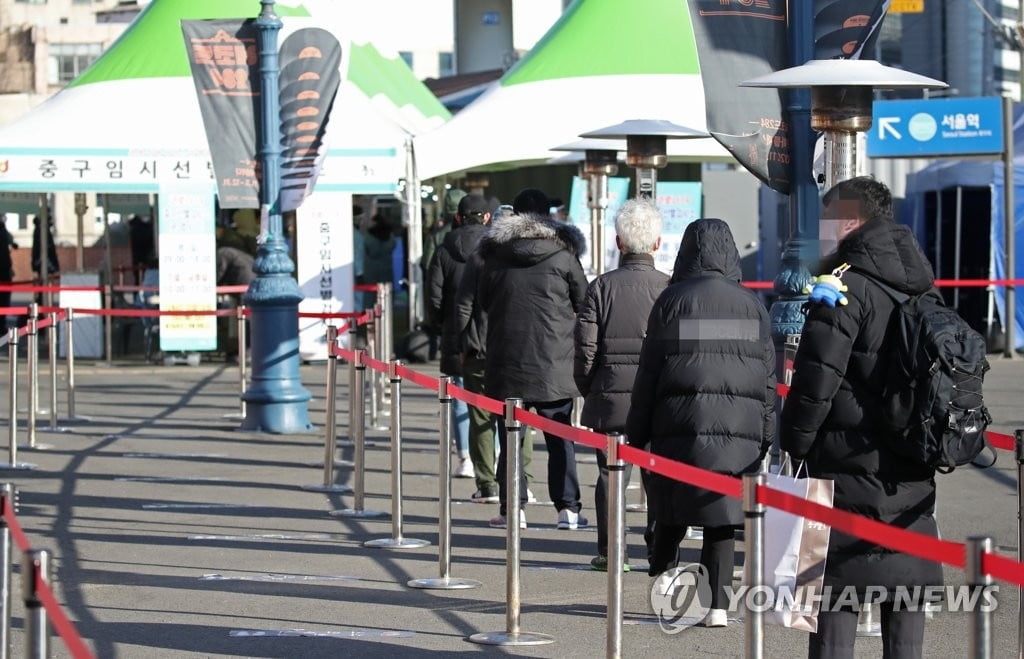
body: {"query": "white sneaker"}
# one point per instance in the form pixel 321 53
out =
pixel 463 468
pixel 567 519
pixel 530 498
pixel 716 618
pixel 500 522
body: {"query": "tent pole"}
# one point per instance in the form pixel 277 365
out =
pixel 1009 229
pixel 415 233
pixel 956 255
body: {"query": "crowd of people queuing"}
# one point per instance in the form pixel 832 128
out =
pixel 685 367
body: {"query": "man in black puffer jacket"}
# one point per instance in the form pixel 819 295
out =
pixel 530 286
pixel 443 279
pixel 704 395
pixel 609 332
pixel 832 416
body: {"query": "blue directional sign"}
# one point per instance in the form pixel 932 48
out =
pixel 936 127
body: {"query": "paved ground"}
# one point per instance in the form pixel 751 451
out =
pixel 175 535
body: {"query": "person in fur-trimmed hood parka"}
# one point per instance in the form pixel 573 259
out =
pixel 530 284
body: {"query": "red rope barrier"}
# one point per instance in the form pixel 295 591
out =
pixel 377 365
pixel 13 288
pixel 15 311
pixel 476 400
pixel 1001 441
pixel 1003 568
pixel 152 313
pixel 369 288
pixel 18 533
pixel 424 381
pixel 568 433
pixel 65 629
pixel 680 471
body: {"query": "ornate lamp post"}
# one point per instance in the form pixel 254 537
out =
pixel 276 401
pixel 600 161
pixel 841 94
pixel 646 149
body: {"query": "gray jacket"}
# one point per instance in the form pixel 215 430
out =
pixel 610 330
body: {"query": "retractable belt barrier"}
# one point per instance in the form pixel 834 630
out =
pixel 976 556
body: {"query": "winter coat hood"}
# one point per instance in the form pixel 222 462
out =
pixel 886 251
pixel 707 247
pixel 462 240
pixel 528 239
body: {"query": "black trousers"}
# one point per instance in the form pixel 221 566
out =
pixel 716 555
pixel 563 484
pixel 902 634
pixel 601 505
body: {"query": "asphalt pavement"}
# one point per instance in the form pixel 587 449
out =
pixel 176 535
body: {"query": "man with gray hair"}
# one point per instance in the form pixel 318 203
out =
pixel 610 330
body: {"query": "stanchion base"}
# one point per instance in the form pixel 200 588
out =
pixel 234 416
pixel 397 543
pixel 695 533
pixel 36 447
pixel 380 426
pixel 507 638
pixel 17 465
pixel 451 583
pixel 343 464
pixel 75 419
pixel 636 508
pixel 867 631
pixel 352 512
pixel 54 429
pixel 340 489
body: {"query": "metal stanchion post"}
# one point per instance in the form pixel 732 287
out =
pixel 382 355
pixel 1019 454
pixel 389 324
pixel 753 529
pixel 616 544
pixel 33 368
pixel 12 399
pixel 981 618
pixel 357 426
pixel 512 635
pixel 396 541
pixel 353 335
pixel 444 478
pixel 35 563
pixel 242 376
pixel 373 350
pixel 69 363
pixel 6 496
pixel 108 324
pixel 51 335
pixel 330 427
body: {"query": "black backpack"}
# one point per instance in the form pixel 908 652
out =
pixel 932 398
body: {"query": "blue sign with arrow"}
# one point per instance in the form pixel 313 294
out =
pixel 936 127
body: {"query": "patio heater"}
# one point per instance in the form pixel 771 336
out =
pixel 646 147
pixel 601 160
pixel 842 91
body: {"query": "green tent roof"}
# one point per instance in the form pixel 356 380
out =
pixel 597 37
pixel 153 47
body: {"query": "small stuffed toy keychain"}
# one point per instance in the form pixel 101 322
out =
pixel 828 289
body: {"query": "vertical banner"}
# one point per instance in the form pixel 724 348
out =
pixel 847 28
pixel 738 40
pixel 325 269
pixel 311 61
pixel 579 215
pixel 187 267
pixel 680 203
pixel 225 69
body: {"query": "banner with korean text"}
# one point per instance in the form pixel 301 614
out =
pixel 325 269
pixel 680 203
pixel 187 267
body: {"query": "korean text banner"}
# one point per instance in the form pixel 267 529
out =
pixel 225 68
pixel 738 41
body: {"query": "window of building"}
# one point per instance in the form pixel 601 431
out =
pixel 406 57
pixel 67 60
pixel 445 65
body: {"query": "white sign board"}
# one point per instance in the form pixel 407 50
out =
pixel 187 267
pixel 325 271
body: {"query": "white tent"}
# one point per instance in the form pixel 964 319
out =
pixel 601 64
pixel 132 119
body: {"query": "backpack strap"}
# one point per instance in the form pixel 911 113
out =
pixel 899 297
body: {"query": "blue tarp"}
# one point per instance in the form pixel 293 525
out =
pixel 948 174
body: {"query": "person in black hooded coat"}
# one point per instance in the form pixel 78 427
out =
pixel 833 410
pixel 704 395
pixel 531 286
